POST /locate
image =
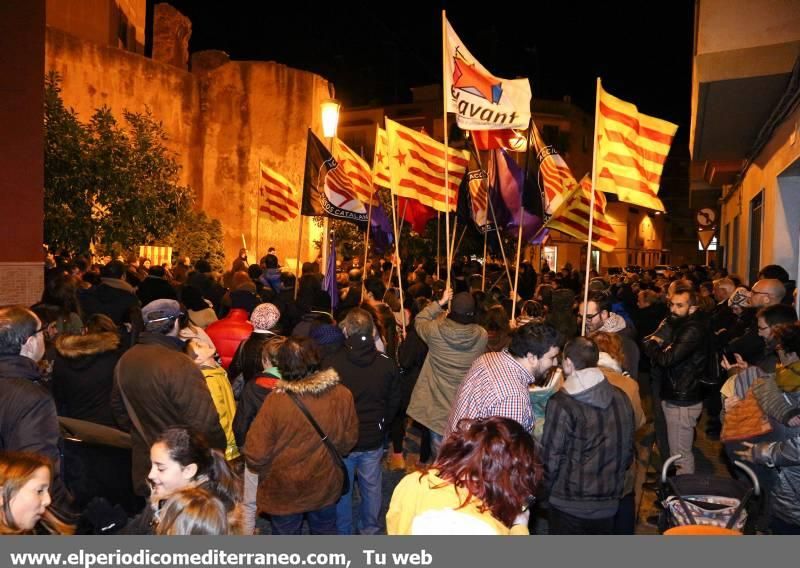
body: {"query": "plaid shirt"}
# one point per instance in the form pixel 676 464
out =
pixel 496 385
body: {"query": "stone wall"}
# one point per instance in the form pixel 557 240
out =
pixel 21 151
pixel 171 33
pixel 256 111
pixel 221 122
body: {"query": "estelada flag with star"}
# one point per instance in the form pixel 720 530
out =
pixel 417 166
pixel 327 188
pixel 480 100
pixel 381 174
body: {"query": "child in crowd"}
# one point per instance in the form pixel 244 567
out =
pixel 220 387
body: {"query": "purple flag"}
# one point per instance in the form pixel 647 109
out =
pixel 381 233
pixel 506 179
pixel 329 282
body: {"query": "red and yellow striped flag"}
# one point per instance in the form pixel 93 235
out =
pixel 417 165
pixel 555 178
pixel 381 174
pixel 278 196
pixel 156 254
pixel 356 169
pixel 572 217
pixel 631 150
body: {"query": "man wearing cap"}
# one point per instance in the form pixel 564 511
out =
pixel 497 383
pixel 157 386
pixel 454 342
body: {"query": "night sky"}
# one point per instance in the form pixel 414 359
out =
pixel 375 51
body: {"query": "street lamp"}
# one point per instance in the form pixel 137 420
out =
pixel 330 120
pixel 330 117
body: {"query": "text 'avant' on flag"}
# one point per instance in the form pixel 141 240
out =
pixel 277 197
pixel 417 167
pixel 480 100
pixel 631 150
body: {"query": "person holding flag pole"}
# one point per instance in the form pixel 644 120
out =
pixel 445 94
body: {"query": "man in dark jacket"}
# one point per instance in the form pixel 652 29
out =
pixel 113 297
pixel 155 287
pixel 28 420
pixel 374 380
pixel 587 445
pixel 156 386
pixel 678 352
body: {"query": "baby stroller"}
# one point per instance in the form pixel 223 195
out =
pixel 705 500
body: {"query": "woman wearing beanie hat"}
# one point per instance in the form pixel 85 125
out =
pixel 247 359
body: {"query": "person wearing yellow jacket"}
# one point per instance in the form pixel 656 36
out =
pixel 482 482
pixel 220 388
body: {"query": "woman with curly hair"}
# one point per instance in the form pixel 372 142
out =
pixel 482 482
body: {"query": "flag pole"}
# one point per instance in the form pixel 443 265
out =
pixel 483 277
pixel 491 210
pixel 461 238
pixel 438 245
pixel 446 148
pixel 455 234
pixel 477 156
pixel 258 213
pixel 397 241
pixel 521 218
pixel 397 255
pixel 297 260
pixel 366 240
pixel 591 210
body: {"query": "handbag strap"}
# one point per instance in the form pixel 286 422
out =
pixel 132 415
pixel 325 440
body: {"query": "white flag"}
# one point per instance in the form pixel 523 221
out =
pixel 480 100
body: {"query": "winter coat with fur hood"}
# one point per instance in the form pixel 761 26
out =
pixel 83 376
pixel 296 472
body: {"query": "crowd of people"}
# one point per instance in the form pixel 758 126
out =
pixel 245 395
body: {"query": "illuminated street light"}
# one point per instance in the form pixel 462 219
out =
pixel 330 117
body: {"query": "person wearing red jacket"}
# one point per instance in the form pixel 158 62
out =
pixel 229 332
